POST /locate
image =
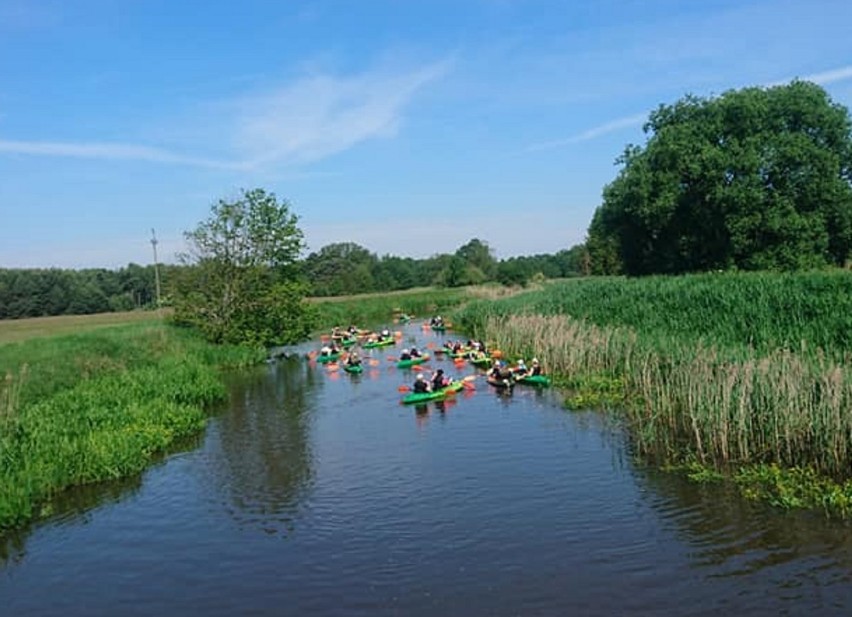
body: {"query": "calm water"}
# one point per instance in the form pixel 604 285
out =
pixel 317 493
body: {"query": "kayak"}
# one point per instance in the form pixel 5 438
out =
pixel 481 362
pixel 500 383
pixel 355 369
pixel 441 328
pixel 460 355
pixel 348 342
pixel 534 380
pixel 412 361
pixel 422 397
pixel 329 358
pixel 372 344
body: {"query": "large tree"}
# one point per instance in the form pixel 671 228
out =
pixel 242 287
pixel 759 178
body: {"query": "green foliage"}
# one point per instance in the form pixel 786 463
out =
pixel 98 406
pixel 754 179
pixel 43 292
pixel 241 288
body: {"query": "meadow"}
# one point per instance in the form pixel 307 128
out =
pixel 738 375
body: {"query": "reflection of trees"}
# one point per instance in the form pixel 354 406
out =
pixel 264 463
pixel 736 537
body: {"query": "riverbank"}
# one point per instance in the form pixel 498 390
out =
pixel 737 376
pixel 95 406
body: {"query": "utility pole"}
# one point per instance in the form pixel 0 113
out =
pixel 156 266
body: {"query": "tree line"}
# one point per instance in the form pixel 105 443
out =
pixel 336 269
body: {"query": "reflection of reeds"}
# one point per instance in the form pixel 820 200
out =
pixel 693 401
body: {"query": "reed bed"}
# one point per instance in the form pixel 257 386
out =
pixel 97 406
pixel 766 396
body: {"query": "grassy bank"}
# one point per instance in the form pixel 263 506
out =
pixel 374 309
pixel 746 374
pixel 19 330
pixel 96 406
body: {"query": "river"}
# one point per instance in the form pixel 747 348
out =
pixel 313 492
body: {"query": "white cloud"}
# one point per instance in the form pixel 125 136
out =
pixel 110 151
pixel 603 129
pixel 319 116
pixel 823 78
pixel 308 120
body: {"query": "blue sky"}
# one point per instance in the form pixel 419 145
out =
pixel 408 127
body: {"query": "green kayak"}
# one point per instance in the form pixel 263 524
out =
pixel 412 361
pixel 355 369
pixel 329 358
pixel 372 344
pixel 348 342
pixel 481 362
pixel 422 397
pixel 534 380
pixel 439 328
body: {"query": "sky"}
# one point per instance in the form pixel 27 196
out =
pixel 408 127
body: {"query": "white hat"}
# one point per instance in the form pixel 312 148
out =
pixel 419 377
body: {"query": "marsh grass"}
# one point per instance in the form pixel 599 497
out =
pixel 98 406
pixel 766 398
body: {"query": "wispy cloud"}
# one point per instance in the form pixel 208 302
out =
pixel 823 78
pixel 304 122
pixel 319 116
pixel 602 129
pixel 109 151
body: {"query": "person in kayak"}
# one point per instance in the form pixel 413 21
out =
pixel 405 355
pixel 521 369
pixel 384 334
pixel 415 353
pixel 536 368
pixel 439 380
pixel 325 350
pixel 421 386
pixel 354 359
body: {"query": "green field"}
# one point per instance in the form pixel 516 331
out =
pixel 17 330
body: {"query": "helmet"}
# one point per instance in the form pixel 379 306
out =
pixel 520 363
pixel 535 360
pixel 404 351
pixel 419 377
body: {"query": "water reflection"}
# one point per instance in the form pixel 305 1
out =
pixel 732 538
pixel 262 454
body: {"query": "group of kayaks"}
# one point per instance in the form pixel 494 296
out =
pixel 499 375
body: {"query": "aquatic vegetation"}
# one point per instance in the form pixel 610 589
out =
pixel 97 406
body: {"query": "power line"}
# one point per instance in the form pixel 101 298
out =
pixel 156 265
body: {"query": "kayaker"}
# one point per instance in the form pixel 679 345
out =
pixel 325 350
pixel 536 368
pixel 384 334
pixel 521 369
pixel 439 381
pixel 335 332
pixel 421 386
pixel 354 359
pixel 353 329
pixel 405 355
pixel 415 353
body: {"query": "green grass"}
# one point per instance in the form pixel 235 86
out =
pixel 375 309
pixel 98 406
pixel 19 330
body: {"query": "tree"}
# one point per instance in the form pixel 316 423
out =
pixel 477 254
pixel 242 288
pixel 340 268
pixel 759 178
